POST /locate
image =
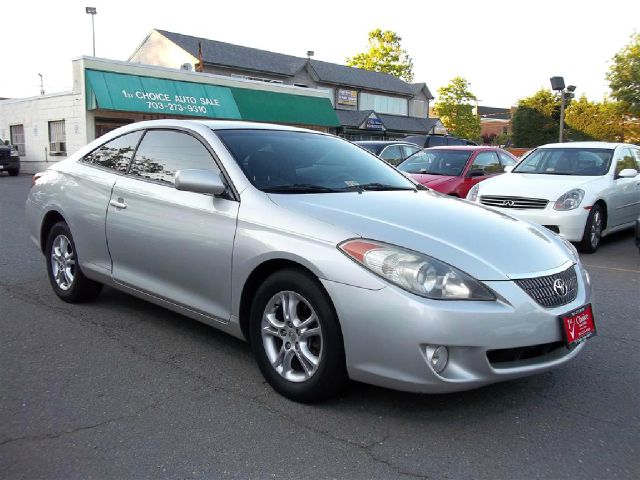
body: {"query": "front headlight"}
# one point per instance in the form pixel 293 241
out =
pixel 569 200
pixel 15 153
pixel 415 272
pixel 472 196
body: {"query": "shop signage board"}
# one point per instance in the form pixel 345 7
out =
pixel 348 97
pixel 133 93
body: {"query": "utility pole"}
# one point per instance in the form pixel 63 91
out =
pixel 557 84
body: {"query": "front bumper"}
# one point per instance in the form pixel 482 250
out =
pixel 386 333
pixel 9 163
pixel 570 223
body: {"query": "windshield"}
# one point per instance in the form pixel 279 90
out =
pixel 436 162
pixel 567 161
pixel 279 161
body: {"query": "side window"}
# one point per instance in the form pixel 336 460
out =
pixel 625 160
pixel 506 160
pixel 408 150
pixel 636 152
pixel 392 154
pixel 487 162
pixel 163 152
pixel 116 154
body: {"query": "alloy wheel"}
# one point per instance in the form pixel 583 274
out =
pixel 292 336
pixel 596 228
pixel 63 262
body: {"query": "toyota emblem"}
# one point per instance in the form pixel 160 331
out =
pixel 560 287
pixel 508 203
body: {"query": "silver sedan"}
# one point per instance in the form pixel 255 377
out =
pixel 329 261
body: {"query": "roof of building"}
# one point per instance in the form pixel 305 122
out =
pixel 355 118
pixel 494 112
pixel 417 87
pixel 254 59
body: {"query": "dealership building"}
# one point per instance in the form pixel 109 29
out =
pixel 235 82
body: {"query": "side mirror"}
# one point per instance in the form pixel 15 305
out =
pixel 628 173
pixel 508 168
pixel 199 181
pixel 475 172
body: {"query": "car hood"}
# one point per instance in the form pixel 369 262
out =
pixel 431 180
pixel 530 185
pixel 485 243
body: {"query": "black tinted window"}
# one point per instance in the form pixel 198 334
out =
pixel 116 154
pixel 163 152
pixel 299 162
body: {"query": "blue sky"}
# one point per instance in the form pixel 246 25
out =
pixel 506 49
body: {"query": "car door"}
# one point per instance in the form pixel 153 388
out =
pixel 625 195
pixel 485 161
pixel 172 244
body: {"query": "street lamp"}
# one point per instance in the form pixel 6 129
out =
pixel 557 84
pixel 92 11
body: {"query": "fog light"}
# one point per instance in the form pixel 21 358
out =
pixel 438 357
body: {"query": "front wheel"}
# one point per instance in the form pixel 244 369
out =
pixel 296 337
pixel 65 275
pixel 14 172
pixel 592 230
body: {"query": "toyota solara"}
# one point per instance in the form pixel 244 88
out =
pixel 331 263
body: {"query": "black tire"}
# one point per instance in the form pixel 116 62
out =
pixel 330 376
pixel 14 173
pixel 81 288
pixel 592 230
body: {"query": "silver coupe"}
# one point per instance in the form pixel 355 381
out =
pixel 331 263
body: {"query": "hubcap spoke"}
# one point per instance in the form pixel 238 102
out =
pixel 311 332
pixel 63 262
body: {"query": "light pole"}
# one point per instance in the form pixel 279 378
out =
pixel 41 84
pixel 92 11
pixel 557 84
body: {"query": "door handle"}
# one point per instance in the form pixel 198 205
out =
pixel 118 203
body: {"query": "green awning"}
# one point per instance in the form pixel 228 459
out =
pixel 134 93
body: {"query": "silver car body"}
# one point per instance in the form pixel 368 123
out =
pixel 196 254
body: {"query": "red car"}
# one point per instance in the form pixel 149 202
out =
pixel 454 170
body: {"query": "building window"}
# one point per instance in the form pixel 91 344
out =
pixel 384 104
pixel 57 138
pixel 17 138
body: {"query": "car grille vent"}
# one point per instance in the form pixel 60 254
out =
pixel 522 353
pixel 513 202
pixel 553 290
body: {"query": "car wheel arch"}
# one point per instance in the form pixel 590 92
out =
pixel 259 274
pixel 50 219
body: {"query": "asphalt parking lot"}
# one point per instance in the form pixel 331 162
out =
pixel 119 388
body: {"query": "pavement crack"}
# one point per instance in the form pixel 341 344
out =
pixel 50 436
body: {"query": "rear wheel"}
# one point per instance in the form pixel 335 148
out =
pixel 296 338
pixel 592 230
pixel 65 275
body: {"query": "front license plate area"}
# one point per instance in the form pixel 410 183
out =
pixel 577 326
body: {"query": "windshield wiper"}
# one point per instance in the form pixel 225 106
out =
pixel 375 186
pixel 298 188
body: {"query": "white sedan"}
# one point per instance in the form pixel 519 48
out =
pixel 582 191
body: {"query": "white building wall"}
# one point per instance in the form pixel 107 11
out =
pixel 34 114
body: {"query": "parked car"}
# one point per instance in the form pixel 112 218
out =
pixel 329 261
pixel 390 151
pixel 454 170
pixel 582 190
pixel 428 141
pixel 9 158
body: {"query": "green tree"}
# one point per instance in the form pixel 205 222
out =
pixel 385 54
pixel 536 120
pixel 595 121
pixel 624 76
pixel 455 109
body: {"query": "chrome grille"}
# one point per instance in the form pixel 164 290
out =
pixel 542 290
pixel 513 202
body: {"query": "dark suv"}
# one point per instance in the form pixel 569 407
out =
pixel 9 158
pixel 428 141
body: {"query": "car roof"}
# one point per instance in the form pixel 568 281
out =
pixel 610 145
pixel 218 125
pixel 384 142
pixel 464 147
